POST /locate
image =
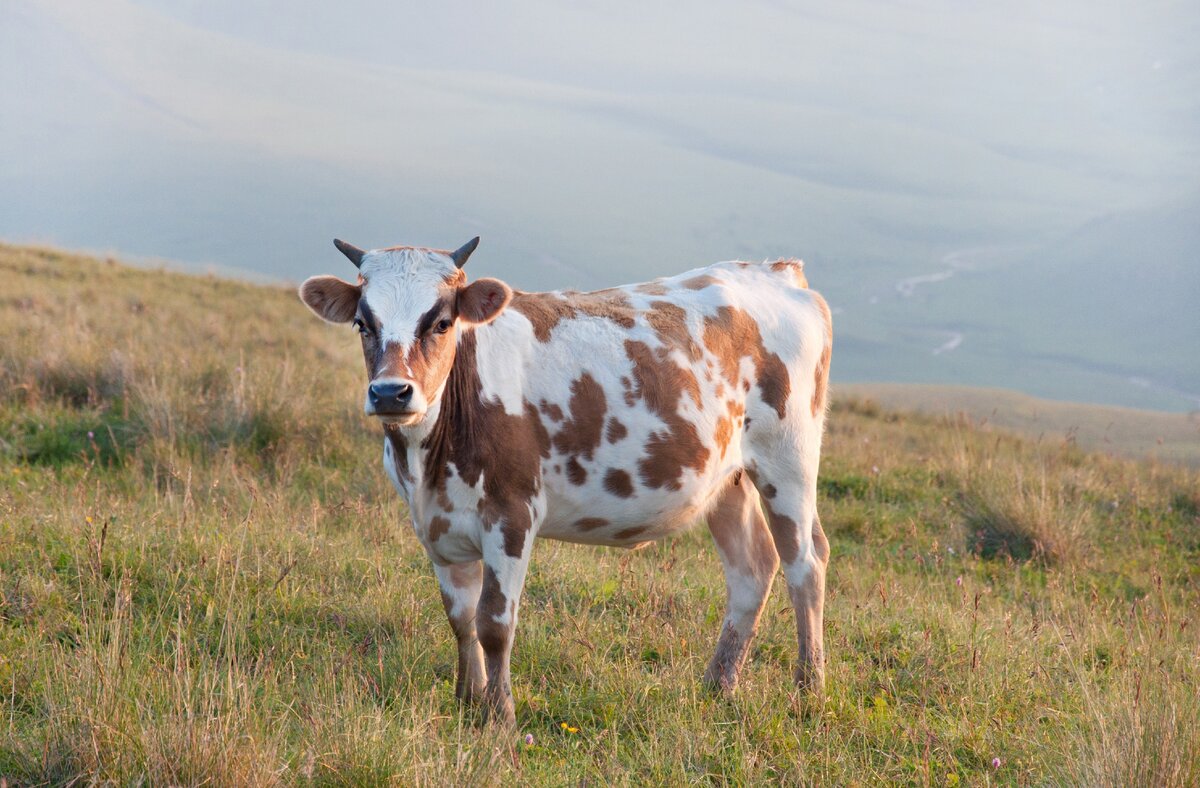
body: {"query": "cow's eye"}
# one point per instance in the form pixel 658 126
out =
pixel 443 326
pixel 360 327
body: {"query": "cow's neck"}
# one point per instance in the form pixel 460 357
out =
pixel 452 431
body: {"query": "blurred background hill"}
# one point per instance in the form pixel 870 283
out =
pixel 989 195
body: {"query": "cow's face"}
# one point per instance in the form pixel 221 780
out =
pixel 409 306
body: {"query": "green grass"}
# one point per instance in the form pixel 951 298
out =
pixel 204 576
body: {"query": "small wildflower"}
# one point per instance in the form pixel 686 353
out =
pixel 91 435
pixel 958 581
pixel 529 740
pixel 995 763
pixel 874 469
pixel 88 520
pixel 572 730
pixel 563 725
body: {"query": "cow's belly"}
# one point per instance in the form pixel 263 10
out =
pixel 592 515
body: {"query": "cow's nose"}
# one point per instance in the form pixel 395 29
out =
pixel 390 396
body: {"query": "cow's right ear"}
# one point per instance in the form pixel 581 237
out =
pixel 331 298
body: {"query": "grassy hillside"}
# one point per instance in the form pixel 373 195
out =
pixel 205 575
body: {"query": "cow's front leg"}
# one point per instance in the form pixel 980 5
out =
pixel 460 594
pixel 496 618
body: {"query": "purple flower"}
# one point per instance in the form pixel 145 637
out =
pixel 995 763
pixel 958 581
pixel 91 435
pixel 529 740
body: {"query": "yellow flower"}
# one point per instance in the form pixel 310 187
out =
pixel 572 730
pixel 88 520
pixel 563 725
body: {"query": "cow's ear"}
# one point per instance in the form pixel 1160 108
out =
pixel 481 301
pixel 331 298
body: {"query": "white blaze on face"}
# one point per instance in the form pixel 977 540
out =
pixel 400 286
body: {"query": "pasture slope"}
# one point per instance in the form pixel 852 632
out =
pixel 205 576
pixel 1108 429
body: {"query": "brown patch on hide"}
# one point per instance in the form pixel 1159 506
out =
pixel 580 434
pixel 660 383
pixel 786 534
pixel 438 526
pixel 611 304
pixel 723 433
pixel 731 335
pixel 590 523
pixel 618 482
pixel 552 411
pixel 576 473
pixel 543 310
pixel 616 430
pixel 740 530
pixel 821 373
pixel 630 533
pixel 399 452
pixel 700 282
pixel 493 635
pixel 484 442
pixel 669 322
pixel 655 288
pixel 627 391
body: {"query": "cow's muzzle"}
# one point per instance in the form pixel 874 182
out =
pixel 390 398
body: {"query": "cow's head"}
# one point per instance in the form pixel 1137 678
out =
pixel 409 305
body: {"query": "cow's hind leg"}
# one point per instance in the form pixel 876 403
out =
pixel 461 584
pixel 748 556
pixel 786 475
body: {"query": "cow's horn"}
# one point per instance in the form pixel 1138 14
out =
pixel 350 250
pixel 460 255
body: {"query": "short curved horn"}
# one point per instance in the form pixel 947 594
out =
pixel 460 255
pixel 350 250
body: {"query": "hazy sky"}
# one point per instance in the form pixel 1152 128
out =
pixel 928 159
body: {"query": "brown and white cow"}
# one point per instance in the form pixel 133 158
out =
pixel 615 417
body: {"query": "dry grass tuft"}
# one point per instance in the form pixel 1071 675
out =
pixel 1143 726
pixel 1011 516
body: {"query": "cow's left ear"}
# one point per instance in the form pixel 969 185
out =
pixel 482 301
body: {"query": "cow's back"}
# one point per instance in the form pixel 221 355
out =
pixel 651 393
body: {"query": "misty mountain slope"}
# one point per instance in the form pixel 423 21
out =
pixel 591 148
pixel 1118 296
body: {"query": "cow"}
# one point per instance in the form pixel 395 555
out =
pixel 616 417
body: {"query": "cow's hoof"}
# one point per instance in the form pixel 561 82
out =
pixel 500 711
pixel 810 679
pixel 720 682
pixel 469 696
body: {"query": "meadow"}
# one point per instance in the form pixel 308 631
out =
pixel 206 578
